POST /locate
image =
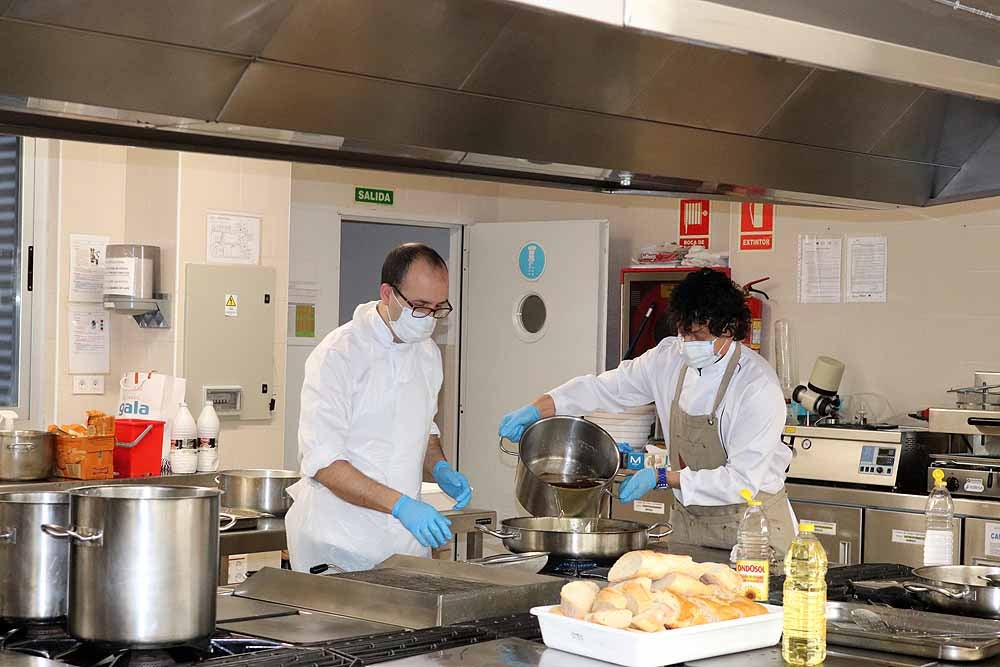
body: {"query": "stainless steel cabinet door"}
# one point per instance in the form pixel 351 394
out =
pixel 898 537
pixel 838 529
pixel 982 542
pixel 653 508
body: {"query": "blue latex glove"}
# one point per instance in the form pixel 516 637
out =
pixel 427 524
pixel 637 485
pixel 513 423
pixel 454 483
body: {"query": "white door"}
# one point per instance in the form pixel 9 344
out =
pixel 534 316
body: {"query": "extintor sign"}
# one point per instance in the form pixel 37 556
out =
pixel 756 226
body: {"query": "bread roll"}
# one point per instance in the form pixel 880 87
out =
pixel 577 598
pixel 637 597
pixel 682 584
pixel 747 608
pixel 666 599
pixel 613 618
pixel 653 619
pixel 721 575
pixel 724 594
pixel 715 610
pixel 610 598
pixel 688 615
pixel 646 563
pixel 645 582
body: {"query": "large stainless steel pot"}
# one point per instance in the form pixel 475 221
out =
pixel 33 566
pixel 259 490
pixel 26 455
pixel 591 539
pixel 958 589
pixel 144 563
pixel 565 468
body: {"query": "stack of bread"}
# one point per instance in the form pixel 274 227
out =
pixel 98 425
pixel 650 592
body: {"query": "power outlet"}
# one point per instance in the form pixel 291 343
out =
pixel 88 384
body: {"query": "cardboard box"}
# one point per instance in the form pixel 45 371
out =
pixel 85 458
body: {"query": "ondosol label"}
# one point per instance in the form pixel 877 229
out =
pixel 756 578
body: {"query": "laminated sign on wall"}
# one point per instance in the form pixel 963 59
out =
pixel 756 226
pixel 694 224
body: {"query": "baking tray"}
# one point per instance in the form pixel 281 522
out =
pixel 912 623
pixel 652 649
pixel 230 609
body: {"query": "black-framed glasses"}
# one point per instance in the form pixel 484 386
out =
pixel 426 311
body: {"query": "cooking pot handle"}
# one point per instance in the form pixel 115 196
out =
pixel 230 519
pixel 509 452
pixel 21 445
pixel 924 588
pixel 63 532
pixel 8 535
pixel 667 530
pixel 495 533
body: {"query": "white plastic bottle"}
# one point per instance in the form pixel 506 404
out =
pixel 184 442
pixel 208 439
pixel 753 550
pixel 940 512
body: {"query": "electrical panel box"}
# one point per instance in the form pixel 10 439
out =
pixel 229 339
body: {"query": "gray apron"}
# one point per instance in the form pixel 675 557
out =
pixel 695 443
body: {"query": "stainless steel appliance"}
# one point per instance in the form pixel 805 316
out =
pixel 898 537
pixel 408 592
pixel 969 476
pixel 26 455
pixel 976 412
pixel 143 563
pixel 565 467
pixel 894 458
pixel 33 565
pixel 838 529
pixel 597 539
pixel 259 490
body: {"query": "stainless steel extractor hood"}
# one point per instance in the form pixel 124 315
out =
pixel 850 103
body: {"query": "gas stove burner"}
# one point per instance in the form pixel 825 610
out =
pixel 577 567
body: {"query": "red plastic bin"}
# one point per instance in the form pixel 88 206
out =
pixel 138 447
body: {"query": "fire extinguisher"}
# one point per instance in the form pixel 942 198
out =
pixel 756 307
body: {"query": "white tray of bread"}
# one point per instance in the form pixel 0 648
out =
pixel 658 609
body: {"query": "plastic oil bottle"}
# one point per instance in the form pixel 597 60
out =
pixel 753 550
pixel 940 513
pixel 804 639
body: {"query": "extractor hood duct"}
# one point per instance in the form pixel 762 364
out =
pixel 850 103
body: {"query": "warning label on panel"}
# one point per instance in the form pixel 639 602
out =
pixel 232 305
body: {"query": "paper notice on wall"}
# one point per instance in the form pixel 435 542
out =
pixel 89 339
pixel 86 267
pixel 867 262
pixel 819 260
pixel 233 238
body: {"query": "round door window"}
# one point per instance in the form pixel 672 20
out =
pixel 530 317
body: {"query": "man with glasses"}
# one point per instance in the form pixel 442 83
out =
pixel 722 410
pixel 367 437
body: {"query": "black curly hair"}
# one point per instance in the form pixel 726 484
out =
pixel 709 298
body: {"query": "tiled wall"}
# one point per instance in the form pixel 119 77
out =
pixel 162 198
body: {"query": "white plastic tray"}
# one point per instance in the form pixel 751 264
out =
pixel 653 649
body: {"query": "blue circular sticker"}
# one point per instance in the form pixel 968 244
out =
pixel 531 261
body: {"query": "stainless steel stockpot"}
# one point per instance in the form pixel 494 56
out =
pixel 261 490
pixel 144 563
pixel 33 565
pixel 26 455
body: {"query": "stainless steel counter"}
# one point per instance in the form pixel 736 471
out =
pixel 988 509
pixel 528 654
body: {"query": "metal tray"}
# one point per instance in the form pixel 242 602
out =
pixel 913 627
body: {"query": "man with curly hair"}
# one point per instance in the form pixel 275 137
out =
pixel 722 406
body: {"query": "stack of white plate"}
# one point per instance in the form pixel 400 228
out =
pixel 633 427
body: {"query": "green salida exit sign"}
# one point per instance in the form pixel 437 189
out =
pixel 373 196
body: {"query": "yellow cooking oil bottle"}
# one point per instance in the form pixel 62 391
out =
pixel 804 639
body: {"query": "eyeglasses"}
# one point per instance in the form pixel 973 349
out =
pixel 426 311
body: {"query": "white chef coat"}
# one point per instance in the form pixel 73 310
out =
pixel 369 401
pixel 750 418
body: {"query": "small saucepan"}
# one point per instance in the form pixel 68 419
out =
pixel 589 539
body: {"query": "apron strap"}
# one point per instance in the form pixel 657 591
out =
pixel 726 379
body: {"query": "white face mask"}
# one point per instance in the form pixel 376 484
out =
pixel 410 329
pixel 699 353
